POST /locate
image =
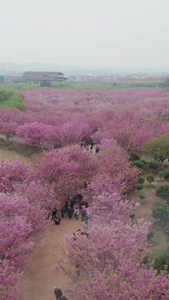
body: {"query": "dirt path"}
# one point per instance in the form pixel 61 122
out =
pixel 42 274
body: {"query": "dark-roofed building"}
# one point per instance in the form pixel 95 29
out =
pixel 41 77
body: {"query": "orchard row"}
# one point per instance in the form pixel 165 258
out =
pixel 110 255
pixel 56 118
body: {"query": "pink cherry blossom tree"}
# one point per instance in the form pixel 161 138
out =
pixel 74 131
pixel 8 128
pixel 114 161
pixel 10 173
pixel 110 265
pixel 39 195
pixel 31 133
pixel 66 169
pixel 21 224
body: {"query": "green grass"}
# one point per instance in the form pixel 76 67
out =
pixel 10 99
pixel 22 86
pixel 159 238
pixel 88 85
pixel 158 244
pixel 107 85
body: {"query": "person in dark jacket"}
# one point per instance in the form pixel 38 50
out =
pixel 69 212
pixel 66 205
pixel 58 293
pixel 62 211
pixel 97 149
pixel 54 212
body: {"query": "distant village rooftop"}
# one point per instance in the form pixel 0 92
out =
pixel 42 73
pixel 39 77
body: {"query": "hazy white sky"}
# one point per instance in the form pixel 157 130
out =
pixel 92 33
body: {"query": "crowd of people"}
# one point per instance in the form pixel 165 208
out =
pixel 90 147
pixel 73 207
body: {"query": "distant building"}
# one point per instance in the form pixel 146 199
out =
pixel 41 77
pixel 1 78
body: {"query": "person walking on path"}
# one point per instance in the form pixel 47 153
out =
pixel 76 212
pixel 69 212
pixel 86 216
pixel 58 293
pixel 83 213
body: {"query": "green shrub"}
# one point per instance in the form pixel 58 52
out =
pixel 141 196
pixel 88 141
pixel 143 161
pixel 150 178
pixel 161 174
pixel 152 185
pixel 139 186
pixel 132 216
pixel 141 179
pixel 166 174
pixel 161 263
pixel 161 212
pixel 162 190
pixel 146 260
pixel 153 165
pixel 150 234
pixel 134 156
pixel 138 163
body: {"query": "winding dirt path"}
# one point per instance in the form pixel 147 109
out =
pixel 42 274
